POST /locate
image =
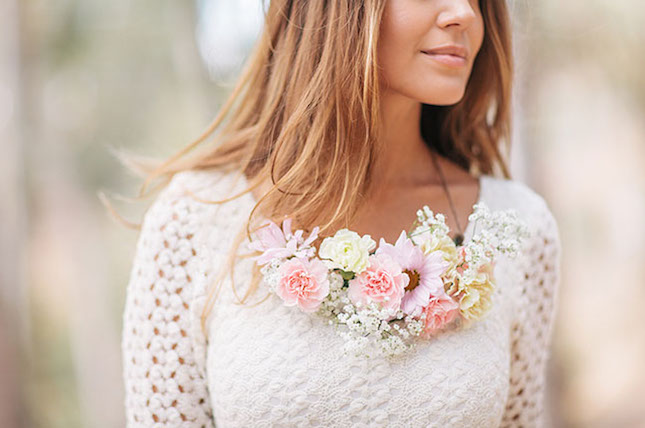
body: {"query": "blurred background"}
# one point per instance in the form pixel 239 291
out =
pixel 79 78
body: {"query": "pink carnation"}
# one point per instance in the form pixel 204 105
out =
pixel 303 282
pixel 383 278
pixel 440 311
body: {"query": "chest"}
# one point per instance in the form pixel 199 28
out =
pixel 272 365
pixel 392 211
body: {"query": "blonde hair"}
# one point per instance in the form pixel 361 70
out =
pixel 305 110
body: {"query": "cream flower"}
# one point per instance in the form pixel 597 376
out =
pixel 346 250
pixel 444 244
pixel 475 296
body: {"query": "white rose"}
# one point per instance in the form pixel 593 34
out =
pixel 347 250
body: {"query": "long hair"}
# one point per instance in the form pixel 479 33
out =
pixel 305 113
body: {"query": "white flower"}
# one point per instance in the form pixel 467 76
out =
pixel 347 250
pixel 270 271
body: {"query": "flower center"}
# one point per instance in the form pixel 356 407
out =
pixel 300 283
pixel 414 279
pixel 380 282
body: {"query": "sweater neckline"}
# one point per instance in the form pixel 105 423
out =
pixel 468 231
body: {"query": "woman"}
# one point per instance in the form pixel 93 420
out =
pixel 349 115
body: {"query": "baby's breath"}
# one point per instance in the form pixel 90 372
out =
pixel 371 329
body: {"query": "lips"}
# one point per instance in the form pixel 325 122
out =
pixel 451 55
pixel 454 50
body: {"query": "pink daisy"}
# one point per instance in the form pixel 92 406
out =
pixel 424 271
pixel 281 243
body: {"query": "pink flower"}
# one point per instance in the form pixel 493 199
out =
pixel 303 282
pixel 274 242
pixel 440 311
pixel 382 279
pixel 424 271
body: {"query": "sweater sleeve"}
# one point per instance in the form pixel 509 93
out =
pixel 163 350
pixel 532 329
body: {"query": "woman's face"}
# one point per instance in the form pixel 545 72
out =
pixel 412 31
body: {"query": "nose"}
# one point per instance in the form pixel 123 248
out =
pixel 457 12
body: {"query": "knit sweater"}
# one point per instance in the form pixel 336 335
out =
pixel 269 365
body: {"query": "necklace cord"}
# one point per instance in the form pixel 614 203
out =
pixel 445 188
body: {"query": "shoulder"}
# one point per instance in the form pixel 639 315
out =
pixel 539 261
pixel 543 244
pixel 503 193
pixel 169 282
pixel 205 184
pixel 182 238
pixel 191 218
pixel 192 197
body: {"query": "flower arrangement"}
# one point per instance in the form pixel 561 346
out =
pixel 380 298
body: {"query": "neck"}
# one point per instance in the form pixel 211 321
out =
pixel 406 159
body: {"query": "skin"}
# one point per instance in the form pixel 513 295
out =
pixel 405 173
pixel 406 177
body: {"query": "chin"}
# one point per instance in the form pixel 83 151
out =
pixel 445 99
pixel 445 94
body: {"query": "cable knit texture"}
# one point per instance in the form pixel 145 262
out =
pixel 269 365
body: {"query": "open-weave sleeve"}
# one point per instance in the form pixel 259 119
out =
pixel 163 350
pixel 532 328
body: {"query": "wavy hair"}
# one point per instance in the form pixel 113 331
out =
pixel 304 113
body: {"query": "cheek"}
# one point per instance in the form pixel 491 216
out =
pixel 405 27
pixel 477 36
pixel 476 32
pixel 400 33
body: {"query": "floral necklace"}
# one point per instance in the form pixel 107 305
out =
pixel 380 299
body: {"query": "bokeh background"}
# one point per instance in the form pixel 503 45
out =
pixel 80 78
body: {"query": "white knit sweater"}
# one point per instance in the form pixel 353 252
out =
pixel 274 366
